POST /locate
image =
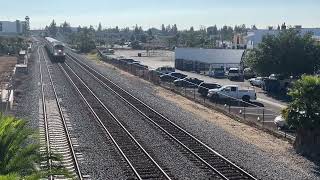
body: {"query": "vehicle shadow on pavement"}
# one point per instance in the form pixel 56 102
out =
pixel 259 104
pixel 280 97
pixel 237 103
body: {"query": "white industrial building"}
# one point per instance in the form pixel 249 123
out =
pixel 8 28
pixel 199 60
pixel 254 38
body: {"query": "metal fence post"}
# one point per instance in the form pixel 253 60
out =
pixel 194 93
pixel 244 111
pixel 216 101
pixel 262 116
pixel 229 104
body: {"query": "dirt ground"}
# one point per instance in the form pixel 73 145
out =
pixel 7 64
pixel 153 59
pixel 259 138
pixel 264 141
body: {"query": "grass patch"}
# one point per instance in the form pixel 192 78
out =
pixel 93 55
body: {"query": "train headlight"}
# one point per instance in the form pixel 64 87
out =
pixel 55 54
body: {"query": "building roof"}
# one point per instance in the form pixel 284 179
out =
pixel 256 35
pixel 210 56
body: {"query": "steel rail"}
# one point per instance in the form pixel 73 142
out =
pixel 121 150
pixel 241 174
pixel 63 120
pixel 44 111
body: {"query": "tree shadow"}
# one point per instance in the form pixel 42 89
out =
pixel 314 157
pixel 316 161
pixel 283 97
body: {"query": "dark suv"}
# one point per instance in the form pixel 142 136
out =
pixel 203 88
pixel 172 76
pixel 187 82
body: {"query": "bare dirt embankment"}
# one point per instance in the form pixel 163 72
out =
pixel 7 64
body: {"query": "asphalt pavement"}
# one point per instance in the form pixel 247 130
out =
pixel 166 58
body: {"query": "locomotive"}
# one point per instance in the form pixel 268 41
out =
pixel 55 49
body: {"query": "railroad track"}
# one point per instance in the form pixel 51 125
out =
pixel 141 164
pixel 212 159
pixel 54 135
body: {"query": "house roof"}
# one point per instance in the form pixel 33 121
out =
pixel 210 56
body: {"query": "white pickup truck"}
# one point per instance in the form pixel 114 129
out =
pixel 232 91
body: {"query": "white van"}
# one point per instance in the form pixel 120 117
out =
pixel 235 74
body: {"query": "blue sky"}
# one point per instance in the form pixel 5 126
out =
pixel 148 13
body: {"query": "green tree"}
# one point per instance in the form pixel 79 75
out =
pixel 53 30
pixel 191 29
pixel 212 30
pixel 99 27
pixel 135 45
pixel 117 29
pixel 66 28
pixel 174 29
pixel 226 33
pixel 163 29
pixel 303 113
pixel 150 34
pixel 288 53
pixel 85 39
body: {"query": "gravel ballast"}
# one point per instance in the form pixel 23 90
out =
pixel 101 161
pixel 157 144
pixel 27 92
pixel 252 157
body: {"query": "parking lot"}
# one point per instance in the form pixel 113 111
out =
pixel 161 58
pixel 261 112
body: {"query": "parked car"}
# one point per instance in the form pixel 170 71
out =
pixel 170 77
pixel 277 84
pixel 203 88
pixel 235 74
pixel 232 91
pixel 165 70
pixel 258 81
pixel 217 72
pixel 187 82
pixel 129 61
pixel 280 122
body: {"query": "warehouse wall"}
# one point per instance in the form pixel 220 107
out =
pixel 210 56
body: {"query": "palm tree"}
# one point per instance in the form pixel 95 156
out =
pixel 19 153
pixel 16 156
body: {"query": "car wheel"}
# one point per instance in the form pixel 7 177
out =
pixel 214 97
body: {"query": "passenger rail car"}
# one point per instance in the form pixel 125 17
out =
pixel 55 49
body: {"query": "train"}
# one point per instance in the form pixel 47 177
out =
pixel 55 49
